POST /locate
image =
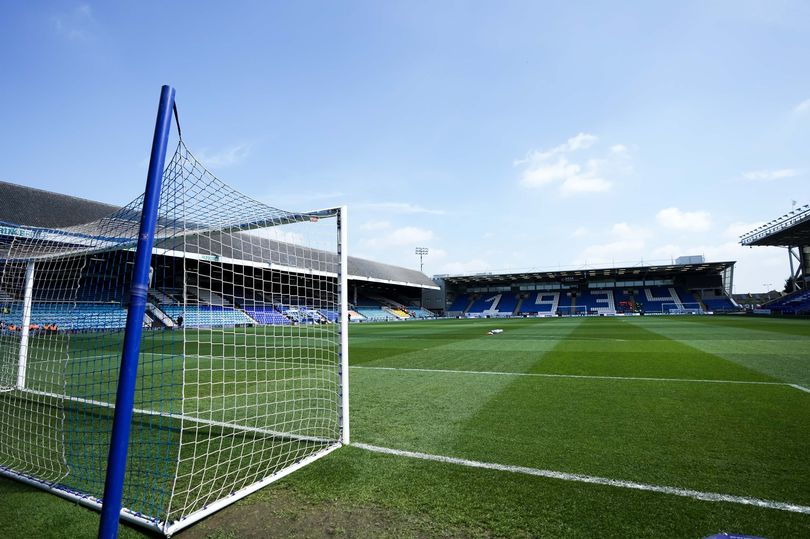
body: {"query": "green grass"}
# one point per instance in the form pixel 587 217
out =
pixel 740 439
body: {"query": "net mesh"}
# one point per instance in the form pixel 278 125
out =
pixel 239 367
pixel 682 308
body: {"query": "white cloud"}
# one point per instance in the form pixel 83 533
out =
pixel 559 167
pixel 75 24
pixel 624 242
pixel 624 230
pixel 398 207
pixel 802 107
pixel 375 225
pixel 408 235
pixel 571 177
pixel 666 251
pixel 675 219
pixel 738 228
pixel 580 232
pixel 585 184
pixel 224 158
pixel 579 141
pixel 614 251
pixel 621 229
pixel 770 175
pixel 543 174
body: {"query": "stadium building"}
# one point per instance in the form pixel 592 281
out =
pixel 791 231
pixel 690 285
pixel 377 291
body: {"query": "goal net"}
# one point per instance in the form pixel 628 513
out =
pixel 681 308
pixel 240 379
pixel 573 310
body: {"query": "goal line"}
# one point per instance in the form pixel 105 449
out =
pixel 183 417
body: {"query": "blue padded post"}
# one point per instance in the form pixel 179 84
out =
pixel 125 396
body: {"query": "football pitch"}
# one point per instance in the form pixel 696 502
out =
pixel 560 427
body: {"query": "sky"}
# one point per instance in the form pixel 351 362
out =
pixel 500 135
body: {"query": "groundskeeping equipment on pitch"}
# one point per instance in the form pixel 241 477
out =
pixel 171 358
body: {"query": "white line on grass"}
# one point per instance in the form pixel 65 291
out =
pixel 576 376
pixel 800 388
pixel 532 374
pixel 594 480
pixel 181 417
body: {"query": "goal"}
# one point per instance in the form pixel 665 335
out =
pixel 573 310
pixel 681 308
pixel 170 324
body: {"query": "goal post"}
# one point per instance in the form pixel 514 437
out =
pixel 175 356
pixel 343 284
pixel 26 323
pixel 573 310
pixel 681 308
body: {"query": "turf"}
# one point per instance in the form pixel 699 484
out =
pixel 742 439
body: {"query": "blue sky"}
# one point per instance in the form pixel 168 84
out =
pixel 501 135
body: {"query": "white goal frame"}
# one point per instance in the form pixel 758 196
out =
pixel 574 310
pixel 682 308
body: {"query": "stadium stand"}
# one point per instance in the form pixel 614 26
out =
pixel 267 316
pixel 71 317
pixel 649 289
pixel 373 309
pixel 376 314
pixel 653 299
pixel 719 304
pixel 300 315
pixel 331 316
pixel 200 316
pixel 598 301
pixel 397 287
pixel 5 297
pixel 686 296
pixel 796 303
pixel 399 313
pixel 500 304
pixel 459 305
pixel 421 312
pixel 540 303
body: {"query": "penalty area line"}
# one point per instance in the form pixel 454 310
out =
pixel 593 480
pixel 581 376
pixel 800 388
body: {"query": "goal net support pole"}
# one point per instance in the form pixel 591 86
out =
pixel 124 402
pixel 28 299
